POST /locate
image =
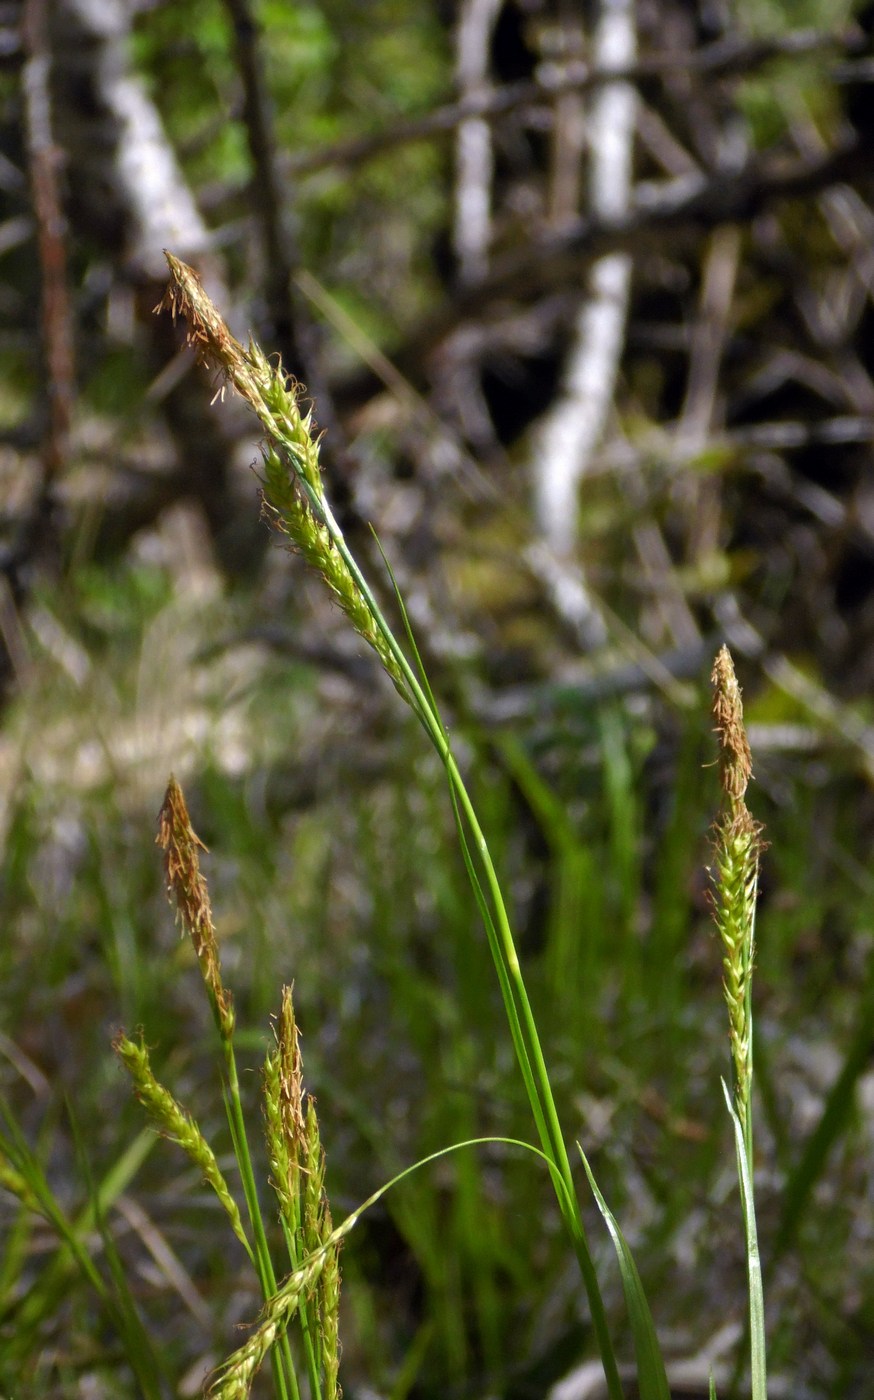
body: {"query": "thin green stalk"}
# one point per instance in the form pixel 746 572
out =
pixel 538 1085
pixel 284 1372
pixel 25 1177
pixel 310 1336
pixel 285 1129
pixel 523 1027
pixel 758 1356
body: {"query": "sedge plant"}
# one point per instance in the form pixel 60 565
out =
pixel 309 1292
pixel 737 848
pixel 294 1151
pixel 295 503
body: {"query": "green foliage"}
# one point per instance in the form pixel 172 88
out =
pixel 790 91
pixel 389 962
pixel 778 16
pixel 331 71
pixel 185 54
pixel 651 1377
pixel 295 498
pixel 391 975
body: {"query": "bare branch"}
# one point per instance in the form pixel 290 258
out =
pixel 51 230
pixel 566 436
pixel 678 208
pixel 725 57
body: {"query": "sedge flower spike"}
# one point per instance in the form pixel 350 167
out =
pixel 292 489
pixel 181 845
pixel 737 847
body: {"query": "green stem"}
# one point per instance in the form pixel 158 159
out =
pixel 523 1028
pixel 282 1361
pixel 310 1336
pixel 537 1082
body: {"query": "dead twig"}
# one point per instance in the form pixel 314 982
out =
pixel 726 57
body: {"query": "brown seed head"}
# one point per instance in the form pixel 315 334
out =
pixel 184 882
pixel 736 764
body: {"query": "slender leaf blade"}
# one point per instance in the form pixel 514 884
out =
pixel 652 1379
pixel 758 1366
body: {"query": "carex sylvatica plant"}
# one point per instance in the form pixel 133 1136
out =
pixel 307 1294
pixel 298 1327
pixel 294 501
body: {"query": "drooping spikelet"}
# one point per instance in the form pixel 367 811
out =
pixel 234 1380
pixel 269 392
pixel 170 1118
pixel 293 493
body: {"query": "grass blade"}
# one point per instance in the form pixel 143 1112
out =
pixel 652 1379
pixel 838 1108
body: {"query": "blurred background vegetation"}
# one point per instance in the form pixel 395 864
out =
pixel 597 360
